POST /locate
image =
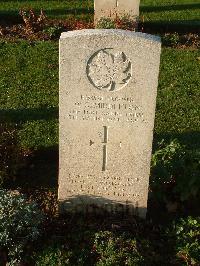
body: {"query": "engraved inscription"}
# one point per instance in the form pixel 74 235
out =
pixel 103 186
pixel 109 71
pixel 106 109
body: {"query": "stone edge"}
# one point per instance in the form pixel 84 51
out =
pixel 104 32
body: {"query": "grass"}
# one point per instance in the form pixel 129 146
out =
pixel 170 10
pixel 178 106
pixel 170 15
pixel 53 9
pixel 29 97
pixel 186 12
pixel 29 104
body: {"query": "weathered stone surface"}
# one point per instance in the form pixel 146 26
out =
pixel 113 8
pixel 108 85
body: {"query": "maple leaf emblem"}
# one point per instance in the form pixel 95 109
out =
pixel 109 71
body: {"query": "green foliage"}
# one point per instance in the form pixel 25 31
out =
pixel 53 32
pixel 20 222
pixel 106 23
pixel 176 171
pixel 29 99
pixel 116 250
pixel 53 256
pixel 126 22
pixel 187 235
pixel 170 39
pixel 68 246
pixel 143 243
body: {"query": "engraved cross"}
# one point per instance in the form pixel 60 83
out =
pixel 105 141
pixel 105 147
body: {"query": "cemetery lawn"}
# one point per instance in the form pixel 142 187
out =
pixel 186 12
pixel 171 10
pixel 29 143
pixel 53 9
pixel 29 98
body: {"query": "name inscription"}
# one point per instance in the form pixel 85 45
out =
pixel 106 109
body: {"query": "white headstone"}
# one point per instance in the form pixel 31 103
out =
pixel 113 8
pixel 108 86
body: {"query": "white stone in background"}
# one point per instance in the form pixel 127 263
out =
pixel 108 86
pixel 113 8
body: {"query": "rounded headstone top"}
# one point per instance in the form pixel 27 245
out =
pixel 104 32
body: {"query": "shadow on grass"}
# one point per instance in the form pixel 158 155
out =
pixel 29 114
pixel 14 116
pixel 41 167
pixel 11 17
pixel 190 139
pixel 171 7
pixel 40 171
pixel 72 11
pixel 179 26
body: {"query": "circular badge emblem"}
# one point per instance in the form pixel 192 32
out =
pixel 108 70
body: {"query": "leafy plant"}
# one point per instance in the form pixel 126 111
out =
pixel 125 22
pixel 113 250
pixel 53 256
pixel 187 238
pixel 171 39
pixel 105 23
pixel 175 172
pixel 53 31
pixel 20 223
pixel 33 23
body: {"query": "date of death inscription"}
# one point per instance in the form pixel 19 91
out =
pixel 106 109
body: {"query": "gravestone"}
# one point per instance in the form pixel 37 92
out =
pixel 113 8
pixel 108 85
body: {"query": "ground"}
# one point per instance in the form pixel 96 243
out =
pixel 29 138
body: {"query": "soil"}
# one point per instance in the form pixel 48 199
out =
pixel 52 28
